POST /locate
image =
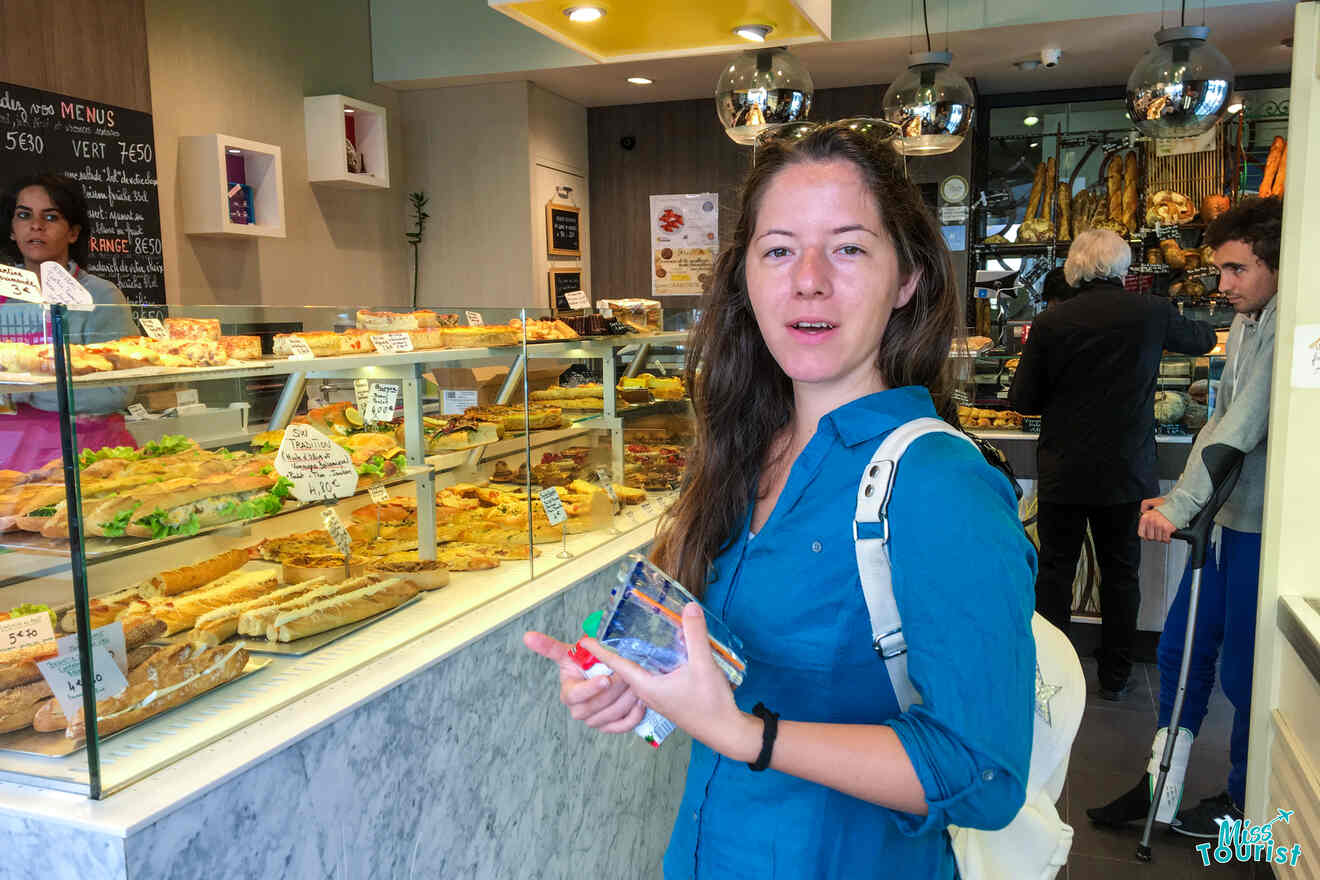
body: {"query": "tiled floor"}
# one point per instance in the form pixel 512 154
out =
pixel 1108 756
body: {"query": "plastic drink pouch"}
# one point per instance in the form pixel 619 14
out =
pixel 643 622
pixel 653 727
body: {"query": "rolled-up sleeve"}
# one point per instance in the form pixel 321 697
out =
pixel 963 578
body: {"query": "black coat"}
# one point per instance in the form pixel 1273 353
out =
pixel 1089 369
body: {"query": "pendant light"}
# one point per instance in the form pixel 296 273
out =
pixel 760 89
pixel 1181 87
pixel 932 105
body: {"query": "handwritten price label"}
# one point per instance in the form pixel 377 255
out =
pixel 475 319
pixel 335 526
pixel 64 675
pixel 58 286
pixel 362 393
pixel 110 637
pixel 299 350
pixel 379 494
pixel 380 407
pixel 319 468
pixel 577 299
pixel 553 507
pixel 30 629
pixel 153 328
pixel 16 283
pixel 391 343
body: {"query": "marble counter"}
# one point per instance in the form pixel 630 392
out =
pixel 466 765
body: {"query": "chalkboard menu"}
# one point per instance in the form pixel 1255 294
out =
pixel 561 228
pixel 109 150
pixel 563 282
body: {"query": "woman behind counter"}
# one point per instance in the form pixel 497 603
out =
pixel 47 216
pixel 827 325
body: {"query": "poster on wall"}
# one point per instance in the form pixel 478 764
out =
pixel 685 239
pixel 111 152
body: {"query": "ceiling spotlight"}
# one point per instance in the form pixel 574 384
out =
pixel 234 152
pixel 348 111
pixel 756 33
pixel 1030 121
pixel 1035 144
pixel 640 80
pixel 584 13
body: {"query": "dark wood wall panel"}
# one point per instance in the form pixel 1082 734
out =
pixel 93 49
pixel 681 148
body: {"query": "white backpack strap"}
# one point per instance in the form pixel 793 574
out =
pixel 873 550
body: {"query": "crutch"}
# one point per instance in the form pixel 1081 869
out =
pixel 1224 464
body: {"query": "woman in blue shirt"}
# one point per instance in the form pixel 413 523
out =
pixel 828 323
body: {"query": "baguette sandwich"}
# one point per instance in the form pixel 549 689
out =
pixel 189 577
pixel 214 627
pixel 255 621
pixel 18 666
pixel 340 610
pixel 181 612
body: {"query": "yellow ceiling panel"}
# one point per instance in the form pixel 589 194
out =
pixel 639 29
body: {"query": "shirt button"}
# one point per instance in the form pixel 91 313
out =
pixel 695 816
pixel 988 775
pixel 815 546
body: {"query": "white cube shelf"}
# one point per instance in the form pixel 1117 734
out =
pixel 204 186
pixel 327 157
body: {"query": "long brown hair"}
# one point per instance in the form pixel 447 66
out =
pixel 741 396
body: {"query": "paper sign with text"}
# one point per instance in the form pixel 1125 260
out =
pixel 379 494
pixel 64 676
pixel 335 526
pixel 362 394
pixel 455 401
pixel 58 286
pixel 474 319
pixel 553 507
pixel 138 411
pixel 17 283
pixel 110 637
pixel 299 350
pixel 391 343
pixel 603 477
pixel 30 629
pixel 319 468
pixel 380 406
pixel 578 299
pixel 153 328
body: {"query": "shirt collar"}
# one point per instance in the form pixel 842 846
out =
pixel 866 418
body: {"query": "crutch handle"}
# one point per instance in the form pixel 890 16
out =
pixel 1224 464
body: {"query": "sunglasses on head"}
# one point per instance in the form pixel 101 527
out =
pixel 873 129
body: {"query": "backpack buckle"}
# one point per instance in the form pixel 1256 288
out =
pixel 891 644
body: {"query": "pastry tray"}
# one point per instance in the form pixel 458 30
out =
pixel 300 647
pixel 56 745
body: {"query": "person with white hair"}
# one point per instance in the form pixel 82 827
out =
pixel 1089 369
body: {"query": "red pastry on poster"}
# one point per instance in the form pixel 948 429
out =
pixel 684 242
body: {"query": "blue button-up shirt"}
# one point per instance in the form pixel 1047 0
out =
pixel 963 577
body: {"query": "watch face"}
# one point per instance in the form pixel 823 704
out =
pixel 954 189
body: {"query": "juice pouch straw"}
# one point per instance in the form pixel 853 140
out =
pixel 643 622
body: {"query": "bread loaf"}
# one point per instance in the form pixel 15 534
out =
pixel 214 627
pixel 19 705
pixel 1280 178
pixel 1114 184
pixel 1130 199
pixel 340 610
pixel 182 612
pixel 1272 164
pixel 256 621
pixel 50 716
pixel 19 665
pixel 1037 187
pixel 188 577
pixel 1065 212
pixel 1051 185
pixel 1081 213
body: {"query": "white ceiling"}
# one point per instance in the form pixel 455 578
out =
pixel 1096 52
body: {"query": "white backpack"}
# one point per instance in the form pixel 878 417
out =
pixel 1036 843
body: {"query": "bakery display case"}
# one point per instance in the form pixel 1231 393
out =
pixel 245 505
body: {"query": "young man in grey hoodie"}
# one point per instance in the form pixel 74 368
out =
pixel 1246 243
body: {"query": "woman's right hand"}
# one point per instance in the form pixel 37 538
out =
pixel 604 703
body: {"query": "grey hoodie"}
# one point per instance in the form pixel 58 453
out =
pixel 1241 418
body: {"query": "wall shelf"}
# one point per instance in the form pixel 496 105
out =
pixel 328 118
pixel 207 166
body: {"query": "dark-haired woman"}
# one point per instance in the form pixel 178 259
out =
pixel 827 325
pixel 47 217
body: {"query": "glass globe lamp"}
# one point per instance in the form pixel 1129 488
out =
pixel 762 89
pixel 1181 87
pixel 932 106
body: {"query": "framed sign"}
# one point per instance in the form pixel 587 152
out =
pixel 563 282
pixel 561 231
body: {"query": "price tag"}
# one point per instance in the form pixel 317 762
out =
pixel 186 396
pixel 361 393
pixel 64 675
pixel 335 526
pixel 960 397
pixel 391 343
pixel 16 283
pixel 648 508
pixel 153 328
pixel 577 299
pixel 58 286
pixel 138 411
pixel 606 312
pixel 319 468
pixel 110 637
pixel 553 507
pixel 30 629
pixel 380 407
pixel 379 494
pixel 603 477
pixel 474 319
pixel 455 401
pixel 299 350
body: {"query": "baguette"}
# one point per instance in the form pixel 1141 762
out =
pixel 50 716
pixel 1037 186
pixel 256 621
pixel 19 705
pixel 340 610
pixel 214 627
pixel 103 609
pixel 177 580
pixel 1281 176
pixel 1050 188
pixel 178 677
pixel 181 613
pixel 1272 164
pixel 201 499
pixel 1114 185
pixel 1130 200
pixel 1065 212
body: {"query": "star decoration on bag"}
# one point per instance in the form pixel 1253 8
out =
pixel 1044 693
